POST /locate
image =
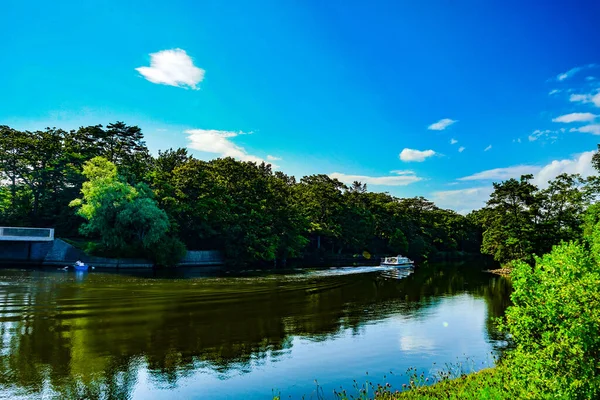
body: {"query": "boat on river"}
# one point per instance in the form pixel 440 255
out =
pixel 398 261
pixel 80 266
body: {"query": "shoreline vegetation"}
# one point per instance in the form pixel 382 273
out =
pixel 101 185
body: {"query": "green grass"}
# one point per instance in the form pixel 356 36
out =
pixel 487 384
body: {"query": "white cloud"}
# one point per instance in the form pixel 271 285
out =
pixel 575 117
pixel 463 200
pixel 273 158
pixel 518 140
pixel 554 91
pixel 586 98
pixel 590 78
pixel 453 141
pixel 488 148
pixel 403 172
pixel 573 71
pixel 461 149
pixel 415 155
pixel 594 129
pixel 219 142
pixel 402 178
pixel 501 174
pixel 537 133
pixel 441 124
pixel 174 68
pixel 581 164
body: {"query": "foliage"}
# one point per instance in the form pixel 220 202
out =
pixel 521 220
pixel 555 321
pixel 488 384
pixel 122 216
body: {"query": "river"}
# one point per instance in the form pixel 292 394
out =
pixel 183 335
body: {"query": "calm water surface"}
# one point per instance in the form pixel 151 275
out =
pixel 107 335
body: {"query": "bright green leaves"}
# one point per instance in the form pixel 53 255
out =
pixel 555 324
pixel 126 219
pixel 520 220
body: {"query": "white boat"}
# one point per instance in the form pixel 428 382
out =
pixel 79 266
pixel 398 261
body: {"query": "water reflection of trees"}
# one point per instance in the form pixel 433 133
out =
pixel 90 338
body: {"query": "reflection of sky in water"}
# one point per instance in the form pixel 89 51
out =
pixel 237 337
pixel 393 344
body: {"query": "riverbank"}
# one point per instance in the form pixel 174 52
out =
pixel 58 253
pixel 491 384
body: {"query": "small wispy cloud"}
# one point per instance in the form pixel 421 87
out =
pixel 219 143
pixel 461 149
pixel 488 148
pixel 173 68
pixel 554 91
pixel 409 155
pixel 273 158
pixel 590 78
pixel 575 117
pixel 538 133
pixel 403 172
pixel 406 178
pixel 441 124
pixel 594 129
pixel 573 71
pixel 517 140
pixel 453 141
pixel 501 173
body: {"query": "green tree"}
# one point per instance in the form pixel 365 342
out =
pixel 509 220
pixel 398 243
pixel 126 219
pixel 322 205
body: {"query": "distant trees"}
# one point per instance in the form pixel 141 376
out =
pixel 521 220
pixel 255 215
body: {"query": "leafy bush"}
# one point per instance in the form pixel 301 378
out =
pixel 167 252
pixel 555 324
pixel 126 219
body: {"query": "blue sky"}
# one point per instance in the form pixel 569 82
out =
pixel 347 88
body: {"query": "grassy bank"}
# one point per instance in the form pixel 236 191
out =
pixel 490 384
pixel 487 384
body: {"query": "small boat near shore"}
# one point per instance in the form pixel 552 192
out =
pixel 398 261
pixel 80 266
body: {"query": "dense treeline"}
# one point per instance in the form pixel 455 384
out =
pixel 521 220
pixel 246 210
pixel 133 203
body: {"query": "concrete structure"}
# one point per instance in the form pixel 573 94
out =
pixel 37 246
pixel 20 234
pixel 58 253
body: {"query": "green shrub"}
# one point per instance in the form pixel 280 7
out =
pixel 168 252
pixel 555 325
